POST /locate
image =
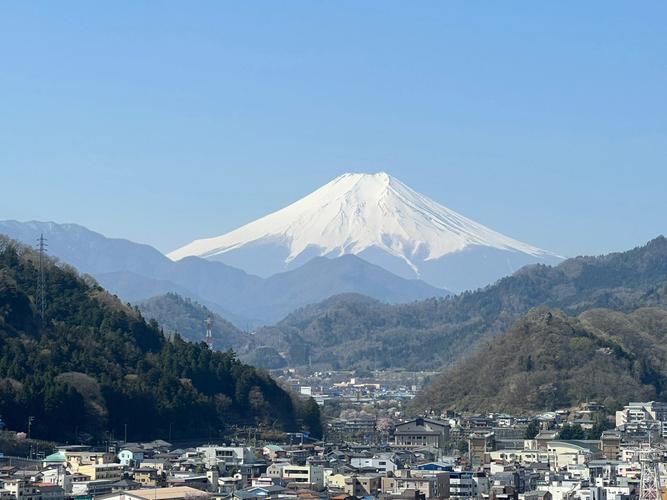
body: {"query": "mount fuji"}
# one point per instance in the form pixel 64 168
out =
pixel 380 219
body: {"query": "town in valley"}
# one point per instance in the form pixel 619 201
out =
pixel 369 449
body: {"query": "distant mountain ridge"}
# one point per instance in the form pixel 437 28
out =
pixel 357 332
pixel 136 272
pixel 380 219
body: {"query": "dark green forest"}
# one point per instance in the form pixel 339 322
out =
pixel 95 365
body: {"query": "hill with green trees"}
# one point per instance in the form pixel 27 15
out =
pixel 180 315
pixel 549 360
pixel 94 365
pixel 353 331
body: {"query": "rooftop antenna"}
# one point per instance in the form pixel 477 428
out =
pixel 41 290
pixel 209 332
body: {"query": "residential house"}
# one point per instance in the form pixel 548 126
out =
pixel 25 490
pixel 362 486
pixel 131 456
pixel 381 463
pixel 273 452
pixel 147 477
pixel 259 493
pixel 156 463
pixel 175 493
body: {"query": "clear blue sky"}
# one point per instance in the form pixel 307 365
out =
pixel 166 121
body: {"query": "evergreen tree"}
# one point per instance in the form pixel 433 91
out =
pixel 533 429
pixel 573 431
pixel 96 365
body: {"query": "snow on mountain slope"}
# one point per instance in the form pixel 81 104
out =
pixel 357 213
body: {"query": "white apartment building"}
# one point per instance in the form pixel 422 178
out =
pixel 381 463
pixel 306 474
pixel 643 416
pixel 20 489
pixel 229 456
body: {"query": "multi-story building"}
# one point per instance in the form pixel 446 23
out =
pixel 421 433
pixel 20 489
pixel 610 444
pixel 96 472
pixel 304 474
pixel 351 429
pixel 643 416
pixel 77 457
pixel 429 484
pixel 226 456
pixel 480 444
pixel 467 484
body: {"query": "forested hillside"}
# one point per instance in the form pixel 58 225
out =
pixel 179 315
pixel 550 360
pixel 95 365
pixel 354 331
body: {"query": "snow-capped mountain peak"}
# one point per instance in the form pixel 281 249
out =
pixel 358 213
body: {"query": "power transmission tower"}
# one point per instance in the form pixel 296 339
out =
pixel 649 487
pixel 41 290
pixel 209 332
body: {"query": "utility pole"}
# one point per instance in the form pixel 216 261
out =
pixel 125 441
pixel 41 291
pixel 30 421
